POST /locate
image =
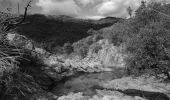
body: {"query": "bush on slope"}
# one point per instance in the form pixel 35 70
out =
pixel 147 38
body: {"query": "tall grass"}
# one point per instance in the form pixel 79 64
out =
pixel 8 54
pixel 9 61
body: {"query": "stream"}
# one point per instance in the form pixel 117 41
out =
pixel 87 83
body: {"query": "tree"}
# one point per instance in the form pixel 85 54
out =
pixel 141 8
pixel 150 45
pixel 129 10
pixel 10 25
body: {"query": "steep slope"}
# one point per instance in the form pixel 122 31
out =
pixel 57 30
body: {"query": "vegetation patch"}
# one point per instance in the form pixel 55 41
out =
pixel 146 36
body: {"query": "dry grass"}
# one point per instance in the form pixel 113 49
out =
pixel 13 83
pixel 8 56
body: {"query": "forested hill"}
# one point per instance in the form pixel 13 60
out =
pixel 57 30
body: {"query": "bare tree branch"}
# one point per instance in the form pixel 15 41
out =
pixel 14 25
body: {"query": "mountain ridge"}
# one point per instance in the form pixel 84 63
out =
pixel 57 30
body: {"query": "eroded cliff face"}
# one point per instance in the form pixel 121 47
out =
pixel 107 58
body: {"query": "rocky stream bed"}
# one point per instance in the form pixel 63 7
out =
pixel 87 79
pixel 92 84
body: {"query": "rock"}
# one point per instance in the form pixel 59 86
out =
pixel 149 86
pixel 101 95
pixel 29 45
pixel 139 98
pixel 10 37
pixel 40 50
pixel 107 59
pixel 44 96
pixel 72 96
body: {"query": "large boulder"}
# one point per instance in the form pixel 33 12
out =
pixel 20 41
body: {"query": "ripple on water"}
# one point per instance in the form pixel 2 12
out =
pixel 85 83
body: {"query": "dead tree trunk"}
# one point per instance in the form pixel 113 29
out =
pixel 14 25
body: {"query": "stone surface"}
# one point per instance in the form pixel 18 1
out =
pixel 101 95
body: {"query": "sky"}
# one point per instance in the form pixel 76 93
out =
pixel 93 9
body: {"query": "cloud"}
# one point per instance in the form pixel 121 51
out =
pixel 107 7
pixel 59 7
pixel 116 7
pixel 76 8
pixel 12 4
pixel 84 2
pixel 84 8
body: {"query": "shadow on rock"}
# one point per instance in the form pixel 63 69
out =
pixel 146 94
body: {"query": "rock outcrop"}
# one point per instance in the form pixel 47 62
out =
pixel 108 58
pixel 101 95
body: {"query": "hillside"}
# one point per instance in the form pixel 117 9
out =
pixel 57 30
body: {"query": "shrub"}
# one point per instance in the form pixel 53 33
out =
pixel 9 57
pixel 150 44
pixel 8 54
pixel 11 80
pixel 68 48
pixel 57 49
pixel 97 37
pixel 150 49
pixel 118 33
pixel 92 31
pixel 81 49
pixel 8 62
pixel 96 48
pixel 147 38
